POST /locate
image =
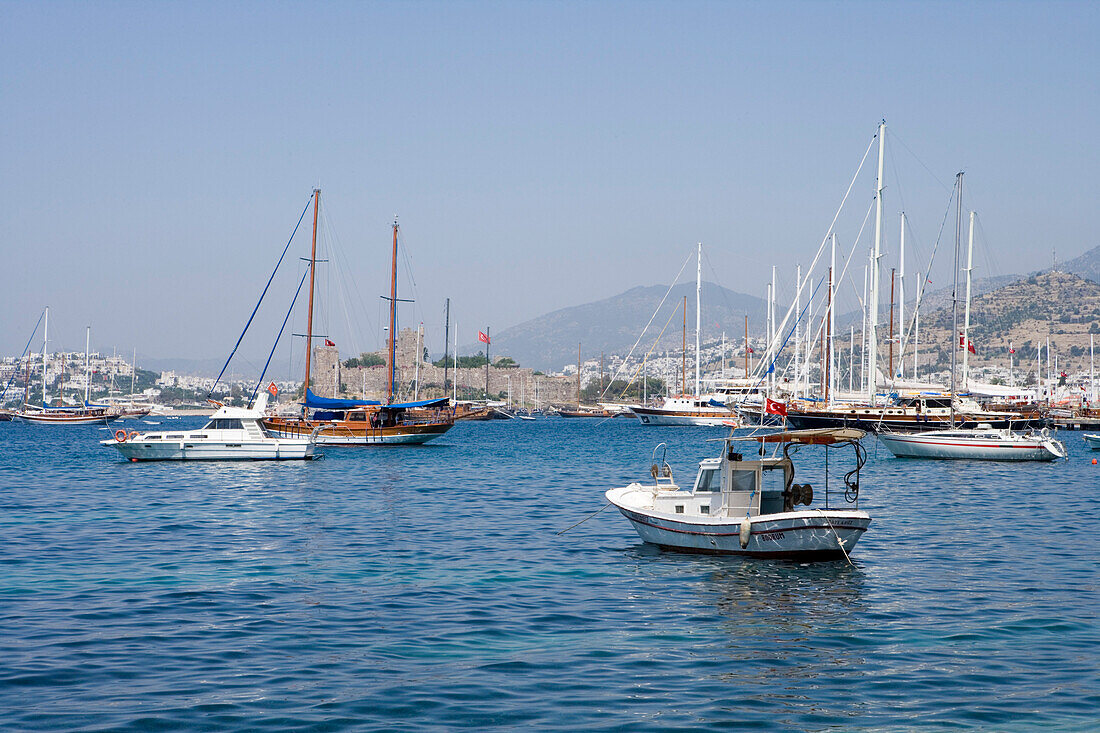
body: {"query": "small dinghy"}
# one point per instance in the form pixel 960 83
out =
pixel 1093 441
pixel 983 443
pixel 751 507
pixel 233 433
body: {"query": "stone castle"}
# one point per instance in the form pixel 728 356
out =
pixel 330 378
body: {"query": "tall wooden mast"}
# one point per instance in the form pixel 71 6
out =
pixel 391 352
pixel 312 267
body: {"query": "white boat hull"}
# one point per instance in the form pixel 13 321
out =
pixel 1093 441
pixel 809 534
pixel 266 450
pixel 924 445
pixel 657 416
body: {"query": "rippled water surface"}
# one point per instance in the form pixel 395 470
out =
pixel 426 588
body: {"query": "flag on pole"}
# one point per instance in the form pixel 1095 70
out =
pixel 773 407
pixel 966 343
pixel 483 337
pixel 329 343
pixel 273 389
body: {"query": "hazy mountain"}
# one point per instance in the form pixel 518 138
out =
pixel 613 325
pixel 1087 265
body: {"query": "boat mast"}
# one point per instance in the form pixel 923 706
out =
pixel 872 360
pixel 831 384
pixel 916 325
pixel 863 337
pixel 901 296
pixel 578 376
pixel 416 374
pixel 454 385
pixel 684 353
pixel 446 340
pixel 955 289
pixel 746 347
pixel 87 365
pixel 45 342
pixel 771 334
pixel 890 340
pixel 851 354
pixel 797 328
pixel 133 376
pixel 1092 367
pixel 698 309
pixel 309 317
pixel 828 358
pixel 966 320
pixel 391 352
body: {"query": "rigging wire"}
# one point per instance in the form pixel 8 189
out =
pixel 26 387
pixel 642 334
pixel 279 336
pixel 261 300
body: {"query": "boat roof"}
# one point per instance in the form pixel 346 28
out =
pixel 815 436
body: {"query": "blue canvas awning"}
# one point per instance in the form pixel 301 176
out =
pixel 327 403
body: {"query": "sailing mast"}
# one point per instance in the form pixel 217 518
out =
pixel 966 321
pixel 797 329
pixel 955 290
pixel 87 365
pixel 901 295
pixel 872 360
pixel 391 352
pixel 578 376
pixel 698 310
pixel 446 339
pixel 309 317
pixel 684 353
pixel 45 342
pixel 831 385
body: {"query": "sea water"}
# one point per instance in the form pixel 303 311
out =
pixel 430 588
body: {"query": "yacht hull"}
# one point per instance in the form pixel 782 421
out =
pixel 657 416
pixel 269 450
pixel 343 434
pixel 943 447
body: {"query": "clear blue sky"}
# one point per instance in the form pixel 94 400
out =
pixel 155 156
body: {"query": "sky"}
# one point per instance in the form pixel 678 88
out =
pixel 155 157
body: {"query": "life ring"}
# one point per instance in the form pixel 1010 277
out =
pixel 120 436
pixel 133 434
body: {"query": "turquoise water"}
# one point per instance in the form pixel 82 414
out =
pixel 426 589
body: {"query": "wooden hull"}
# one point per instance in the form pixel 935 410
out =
pixel 46 418
pixel 706 418
pixel 352 433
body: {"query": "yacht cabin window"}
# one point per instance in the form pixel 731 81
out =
pixel 708 480
pixel 224 424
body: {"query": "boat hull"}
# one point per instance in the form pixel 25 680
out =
pixel 357 434
pixel 268 450
pixel 801 535
pixel 47 419
pixel 929 446
pixel 1093 441
pixel 657 416
pixel 904 424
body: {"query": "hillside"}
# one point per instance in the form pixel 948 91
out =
pixel 1063 306
pixel 613 325
pixel 1087 265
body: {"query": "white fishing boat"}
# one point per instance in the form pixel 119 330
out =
pixel 233 433
pixel 983 443
pixel 752 507
pixel 685 410
pixel 1093 441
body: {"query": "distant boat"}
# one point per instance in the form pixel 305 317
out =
pixel 981 443
pixel 363 422
pixel 1093 441
pixel 61 414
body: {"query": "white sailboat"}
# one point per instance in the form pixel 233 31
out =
pixel 982 442
pixel 685 409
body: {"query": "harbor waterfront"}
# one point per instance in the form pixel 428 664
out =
pixel 432 588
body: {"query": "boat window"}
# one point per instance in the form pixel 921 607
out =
pixel 774 479
pixel 679 508
pixel 708 480
pixel 704 508
pixel 357 416
pixel 743 481
pixel 224 424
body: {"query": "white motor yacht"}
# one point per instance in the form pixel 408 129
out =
pixel 983 443
pixel 751 507
pixel 233 433
pixel 1093 441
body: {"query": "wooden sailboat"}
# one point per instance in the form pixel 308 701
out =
pixel 363 422
pixel 59 414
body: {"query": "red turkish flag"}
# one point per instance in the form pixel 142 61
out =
pixel 274 390
pixel 772 407
pixel 483 337
pixel 329 343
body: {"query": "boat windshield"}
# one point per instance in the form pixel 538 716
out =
pixel 708 480
pixel 224 424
